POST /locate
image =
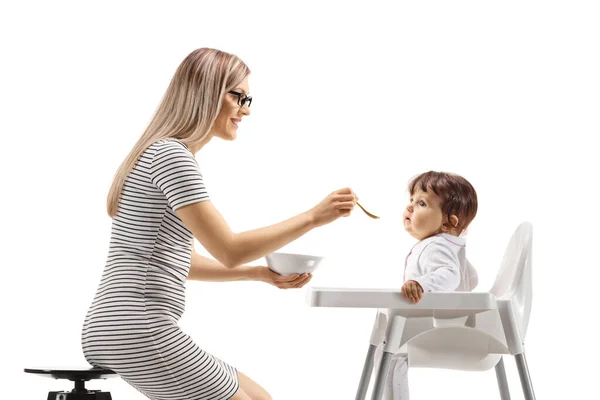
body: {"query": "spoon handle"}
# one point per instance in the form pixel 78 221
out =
pixel 366 212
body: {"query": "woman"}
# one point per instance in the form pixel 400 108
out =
pixel 159 204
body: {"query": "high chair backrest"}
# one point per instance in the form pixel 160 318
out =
pixel 514 277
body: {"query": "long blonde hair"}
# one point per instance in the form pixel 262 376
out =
pixel 188 109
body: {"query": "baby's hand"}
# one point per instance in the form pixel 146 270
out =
pixel 412 291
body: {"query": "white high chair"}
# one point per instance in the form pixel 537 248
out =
pixel 452 330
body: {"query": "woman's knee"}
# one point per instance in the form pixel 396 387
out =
pixel 240 395
pixel 262 396
pixel 252 389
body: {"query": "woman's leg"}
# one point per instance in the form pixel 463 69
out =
pixel 240 395
pixel 250 390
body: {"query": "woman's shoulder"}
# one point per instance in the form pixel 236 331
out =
pixel 168 144
pixel 167 149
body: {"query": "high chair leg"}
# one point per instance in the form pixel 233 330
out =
pixel 365 377
pixel 524 375
pixel 502 382
pixel 382 373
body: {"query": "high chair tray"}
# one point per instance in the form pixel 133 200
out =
pixel 448 304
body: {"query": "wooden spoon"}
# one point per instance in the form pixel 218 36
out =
pixel 366 212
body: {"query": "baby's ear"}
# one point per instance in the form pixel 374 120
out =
pixel 450 224
pixel 453 221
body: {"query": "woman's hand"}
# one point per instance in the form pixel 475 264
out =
pixel 338 204
pixel 283 282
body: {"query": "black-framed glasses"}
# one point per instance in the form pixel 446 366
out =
pixel 242 98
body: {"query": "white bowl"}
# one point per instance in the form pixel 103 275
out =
pixel 289 263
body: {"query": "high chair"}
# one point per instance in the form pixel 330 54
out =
pixel 453 330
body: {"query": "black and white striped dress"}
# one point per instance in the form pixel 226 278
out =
pixel 131 326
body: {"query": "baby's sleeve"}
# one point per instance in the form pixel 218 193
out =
pixel 441 268
pixel 472 279
pixel 176 174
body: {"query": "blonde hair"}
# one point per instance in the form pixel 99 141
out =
pixel 188 109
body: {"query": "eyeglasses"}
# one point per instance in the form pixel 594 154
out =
pixel 242 98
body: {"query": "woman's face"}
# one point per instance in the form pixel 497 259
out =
pixel 231 114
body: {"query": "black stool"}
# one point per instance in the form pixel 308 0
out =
pixel 79 376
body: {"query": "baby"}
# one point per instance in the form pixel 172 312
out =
pixel 441 207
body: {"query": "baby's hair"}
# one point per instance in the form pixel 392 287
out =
pixel 458 197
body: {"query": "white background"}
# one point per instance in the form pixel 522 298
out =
pixel 346 94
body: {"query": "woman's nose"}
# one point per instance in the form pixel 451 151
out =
pixel 245 110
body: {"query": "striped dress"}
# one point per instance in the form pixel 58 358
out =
pixel 131 325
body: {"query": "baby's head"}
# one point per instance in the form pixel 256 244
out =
pixel 440 202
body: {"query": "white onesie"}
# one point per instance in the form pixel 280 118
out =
pixel 439 264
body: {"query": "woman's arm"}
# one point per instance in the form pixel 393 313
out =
pixel 176 174
pixel 206 269
pixel 234 249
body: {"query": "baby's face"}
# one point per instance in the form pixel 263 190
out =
pixel 423 215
